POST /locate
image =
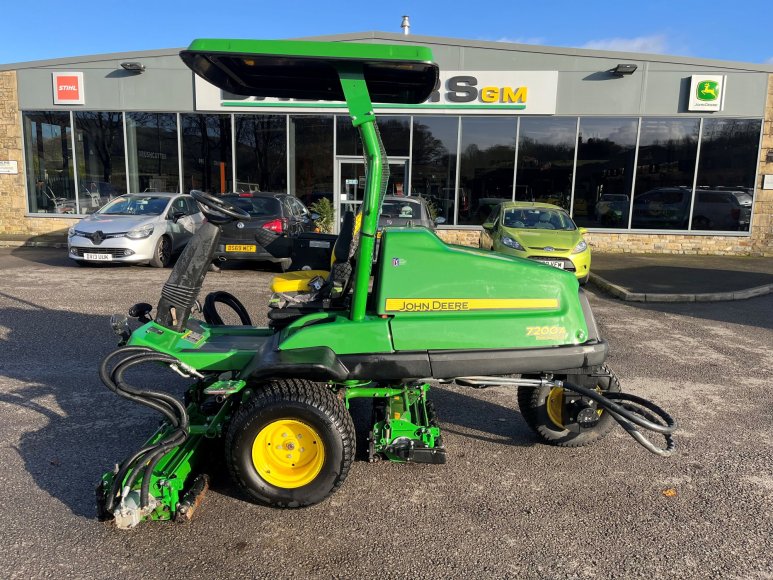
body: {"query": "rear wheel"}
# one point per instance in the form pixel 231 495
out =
pixel 542 409
pixel 291 444
pixel 162 255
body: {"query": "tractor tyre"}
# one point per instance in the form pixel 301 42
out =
pixel 539 407
pixel 290 444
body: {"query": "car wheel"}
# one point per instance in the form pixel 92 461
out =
pixel 584 280
pixel 162 255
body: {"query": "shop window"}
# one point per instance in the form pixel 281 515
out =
pixel 48 154
pixel 261 153
pixel 395 134
pixel 546 159
pixel 101 163
pixel 487 161
pixel 433 172
pixel 153 153
pixel 604 178
pixel 207 153
pixel 726 170
pixel 664 174
pixel 310 150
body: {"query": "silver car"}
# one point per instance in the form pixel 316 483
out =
pixel 136 228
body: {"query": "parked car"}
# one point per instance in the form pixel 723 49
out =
pixel 136 228
pixel 274 219
pixel 399 211
pixel 538 231
pixel 669 207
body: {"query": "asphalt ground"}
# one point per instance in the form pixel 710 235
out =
pixel 505 505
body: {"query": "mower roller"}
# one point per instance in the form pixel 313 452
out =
pixel 274 401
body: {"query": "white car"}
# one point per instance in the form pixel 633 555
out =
pixel 136 228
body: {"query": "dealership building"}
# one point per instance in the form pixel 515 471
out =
pixel 651 153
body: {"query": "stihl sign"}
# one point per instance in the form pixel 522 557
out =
pixel 68 88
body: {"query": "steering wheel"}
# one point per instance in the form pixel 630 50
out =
pixel 220 207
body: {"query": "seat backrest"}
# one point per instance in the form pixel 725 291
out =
pixel 344 249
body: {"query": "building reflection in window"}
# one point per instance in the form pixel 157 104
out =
pixel 395 133
pixel 545 159
pixel 48 154
pixel 207 152
pixel 664 173
pixel 726 170
pixel 99 152
pixel 261 153
pixel 605 159
pixel 310 152
pixel 152 149
pixel 487 161
pixel 434 164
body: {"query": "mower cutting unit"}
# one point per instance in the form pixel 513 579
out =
pixel 274 401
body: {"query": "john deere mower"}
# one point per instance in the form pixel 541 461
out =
pixel 273 402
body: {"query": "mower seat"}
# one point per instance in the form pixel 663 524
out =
pixel 298 281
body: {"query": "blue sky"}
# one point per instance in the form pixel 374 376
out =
pixel 737 30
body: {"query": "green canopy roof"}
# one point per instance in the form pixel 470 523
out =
pixel 310 70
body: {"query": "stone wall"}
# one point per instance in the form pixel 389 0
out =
pixel 13 203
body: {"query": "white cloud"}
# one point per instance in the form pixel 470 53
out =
pixel 522 40
pixel 656 43
pixel 769 61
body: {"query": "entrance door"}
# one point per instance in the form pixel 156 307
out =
pixel 350 184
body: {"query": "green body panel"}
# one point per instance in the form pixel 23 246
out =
pixel 236 345
pixel 438 297
pixel 341 335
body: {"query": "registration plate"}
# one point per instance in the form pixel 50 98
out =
pixel 554 263
pixel 100 257
pixel 240 248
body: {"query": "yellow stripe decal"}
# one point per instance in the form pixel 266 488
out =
pixel 463 304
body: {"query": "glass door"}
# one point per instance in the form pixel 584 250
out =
pixel 350 184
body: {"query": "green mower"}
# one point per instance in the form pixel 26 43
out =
pixel 274 401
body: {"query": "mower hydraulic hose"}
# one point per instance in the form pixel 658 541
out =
pixel 169 406
pixel 632 411
pixel 210 311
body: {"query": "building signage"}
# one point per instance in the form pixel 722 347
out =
pixel 68 88
pixel 707 93
pixel 471 92
pixel 9 167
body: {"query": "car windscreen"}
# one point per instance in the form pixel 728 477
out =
pixel 401 209
pixel 537 219
pixel 256 206
pixel 136 205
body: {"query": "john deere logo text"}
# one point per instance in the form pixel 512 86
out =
pixel 462 304
pixel 707 91
pixel 464 89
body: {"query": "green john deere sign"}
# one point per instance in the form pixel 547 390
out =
pixel 707 90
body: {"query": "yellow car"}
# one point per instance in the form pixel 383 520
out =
pixel 538 231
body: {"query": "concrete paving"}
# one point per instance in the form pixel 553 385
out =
pixel 504 506
pixel 680 278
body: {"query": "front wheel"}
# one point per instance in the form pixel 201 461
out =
pixel 291 443
pixel 543 408
pixel 162 255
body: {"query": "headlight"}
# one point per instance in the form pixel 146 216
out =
pixel 511 243
pixel 139 233
pixel 581 247
pixel 71 232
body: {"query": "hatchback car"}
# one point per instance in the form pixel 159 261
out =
pixel 399 211
pixel 274 219
pixel 538 231
pixel 136 228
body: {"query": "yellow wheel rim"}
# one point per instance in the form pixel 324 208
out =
pixel 288 453
pixel 555 406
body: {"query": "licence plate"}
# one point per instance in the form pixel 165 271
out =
pixel 101 257
pixel 554 263
pixel 240 248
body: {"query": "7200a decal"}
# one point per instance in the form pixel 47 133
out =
pixel 546 332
